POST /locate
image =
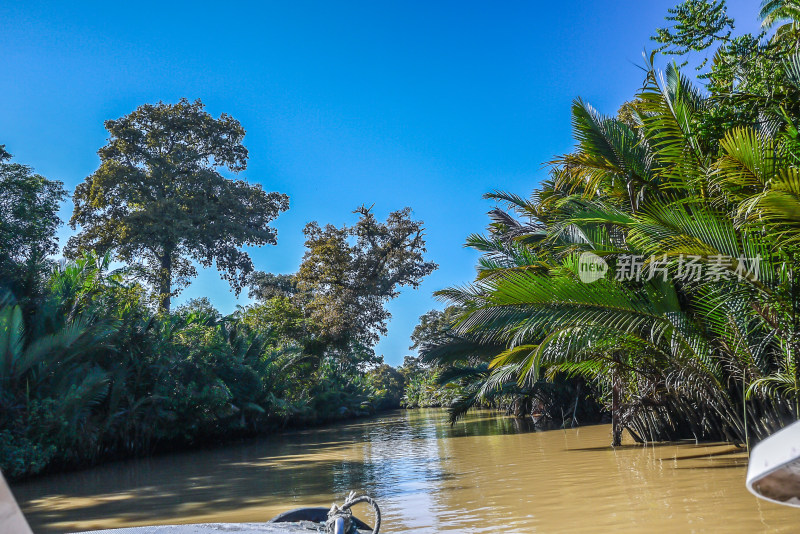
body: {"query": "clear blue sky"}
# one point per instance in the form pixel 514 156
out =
pixel 421 104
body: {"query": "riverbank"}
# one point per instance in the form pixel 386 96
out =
pixel 484 473
pixel 209 442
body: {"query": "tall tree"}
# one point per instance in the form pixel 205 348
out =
pixel 435 326
pixel 28 220
pixel 348 275
pixel 158 198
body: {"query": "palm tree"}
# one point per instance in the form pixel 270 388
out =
pixel 672 357
pixel 773 11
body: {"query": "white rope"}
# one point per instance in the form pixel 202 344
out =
pixel 345 513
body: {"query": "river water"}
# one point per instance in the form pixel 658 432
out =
pixel 485 474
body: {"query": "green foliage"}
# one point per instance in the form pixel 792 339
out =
pixel 433 326
pixel 388 384
pixel 158 198
pixel 93 374
pixel 697 25
pixel 679 173
pixel 345 280
pixel 749 82
pixel 28 220
pixel 277 318
pixel 87 370
pixel 773 11
pixel 424 389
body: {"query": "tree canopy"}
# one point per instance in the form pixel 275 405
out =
pixel 29 218
pixel 434 327
pixel 159 200
pixel 347 276
pixel 750 79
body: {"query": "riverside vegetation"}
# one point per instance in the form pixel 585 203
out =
pixel 709 173
pixel 95 363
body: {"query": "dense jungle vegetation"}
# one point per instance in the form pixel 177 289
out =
pixel 95 363
pixel 689 202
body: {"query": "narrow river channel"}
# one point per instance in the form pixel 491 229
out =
pixel 485 474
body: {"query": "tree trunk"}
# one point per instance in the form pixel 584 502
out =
pixel 616 430
pixel 575 408
pixel 165 281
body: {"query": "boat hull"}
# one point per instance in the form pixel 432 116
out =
pixel 217 528
pixel 773 472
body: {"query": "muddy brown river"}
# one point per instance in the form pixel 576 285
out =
pixel 487 473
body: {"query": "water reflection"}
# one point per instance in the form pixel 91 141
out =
pixel 484 474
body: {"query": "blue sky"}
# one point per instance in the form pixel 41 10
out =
pixel 421 104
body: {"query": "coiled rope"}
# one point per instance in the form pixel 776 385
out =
pixel 346 514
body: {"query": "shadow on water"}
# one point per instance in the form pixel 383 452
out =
pixel 711 454
pixel 485 423
pixel 226 486
pixel 634 446
pixel 288 468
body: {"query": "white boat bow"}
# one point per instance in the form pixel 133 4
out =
pixel 773 472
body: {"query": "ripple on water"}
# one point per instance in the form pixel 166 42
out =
pixel 485 474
